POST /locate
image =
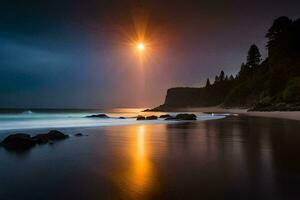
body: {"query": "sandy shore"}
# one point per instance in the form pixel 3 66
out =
pixel 293 115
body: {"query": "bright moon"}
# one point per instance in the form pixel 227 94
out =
pixel 140 46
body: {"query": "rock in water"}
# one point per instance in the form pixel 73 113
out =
pixel 186 117
pixel 19 141
pixel 140 117
pixel 56 135
pixel 103 116
pixel 165 116
pixel 51 135
pixel 41 138
pixel 152 117
pixel 78 134
pixel 171 118
pixel 183 116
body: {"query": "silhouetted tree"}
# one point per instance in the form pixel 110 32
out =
pixel 254 56
pixel 231 78
pixel 279 27
pixel 207 83
pixel 280 50
pixel 244 72
pixel 217 79
pixel 222 76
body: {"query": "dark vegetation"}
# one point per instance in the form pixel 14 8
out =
pixel 269 84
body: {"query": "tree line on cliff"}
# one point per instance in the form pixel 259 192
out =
pixel 269 83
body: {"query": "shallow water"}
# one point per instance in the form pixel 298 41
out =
pixel 233 158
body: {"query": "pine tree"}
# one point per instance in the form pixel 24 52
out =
pixel 217 79
pixel 254 56
pixel 222 76
pixel 207 83
pixel 279 26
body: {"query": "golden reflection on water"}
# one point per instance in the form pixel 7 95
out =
pixel 141 143
pixel 135 177
pixel 140 173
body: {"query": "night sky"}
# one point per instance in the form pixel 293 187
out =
pixel 77 54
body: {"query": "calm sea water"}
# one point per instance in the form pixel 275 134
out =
pixel 236 157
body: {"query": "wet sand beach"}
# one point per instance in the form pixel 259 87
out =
pixel 293 115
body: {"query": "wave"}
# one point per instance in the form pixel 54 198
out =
pixel 27 112
pixel 28 119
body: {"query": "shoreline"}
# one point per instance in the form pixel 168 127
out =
pixel 291 115
pixel 95 122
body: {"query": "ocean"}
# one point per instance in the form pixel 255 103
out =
pixel 236 157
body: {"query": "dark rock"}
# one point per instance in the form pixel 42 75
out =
pixel 51 135
pixel 186 117
pixel 165 116
pixel 56 135
pixel 122 118
pixel 171 118
pixel 78 134
pixel 18 141
pixel 152 117
pixel 140 117
pixel 183 116
pixel 103 116
pixel 41 138
pixel 22 141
